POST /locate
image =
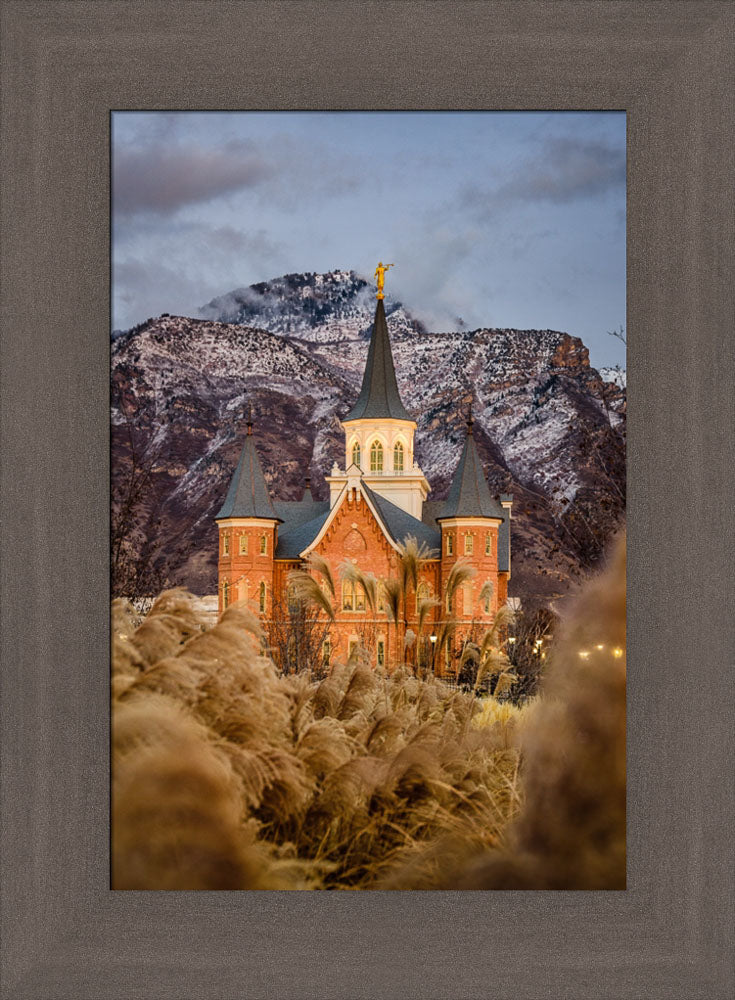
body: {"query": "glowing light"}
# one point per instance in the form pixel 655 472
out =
pixel 512 639
pixel 617 651
pixel 584 653
pixel 599 646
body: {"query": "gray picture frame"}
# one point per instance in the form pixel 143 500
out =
pixel 65 66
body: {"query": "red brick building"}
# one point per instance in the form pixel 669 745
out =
pixel 376 502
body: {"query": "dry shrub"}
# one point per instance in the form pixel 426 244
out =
pixel 229 775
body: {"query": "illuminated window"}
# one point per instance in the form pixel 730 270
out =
pixel 353 596
pixel 488 544
pixel 356 454
pixel 422 594
pixel 263 544
pixel 225 594
pixel 398 457
pixel 381 652
pixel 450 545
pixel 226 544
pixel 469 544
pixel 261 598
pixel 376 457
pixel 243 545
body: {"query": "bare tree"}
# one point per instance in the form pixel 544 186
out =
pixel 296 634
pixel 618 334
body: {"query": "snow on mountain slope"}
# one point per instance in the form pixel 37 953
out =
pixel 549 427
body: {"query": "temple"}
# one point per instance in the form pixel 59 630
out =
pixel 377 502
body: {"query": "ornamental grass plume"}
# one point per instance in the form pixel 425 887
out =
pixel 227 774
pixel 570 831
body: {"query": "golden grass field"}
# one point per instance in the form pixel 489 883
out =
pixel 229 775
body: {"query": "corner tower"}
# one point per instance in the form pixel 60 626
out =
pixel 248 526
pixel 379 432
pixel 474 527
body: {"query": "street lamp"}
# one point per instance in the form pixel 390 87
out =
pixel 432 640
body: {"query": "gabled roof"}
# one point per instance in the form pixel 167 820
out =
pixel 248 493
pixel 469 495
pixel 295 534
pixel 401 524
pixel 379 395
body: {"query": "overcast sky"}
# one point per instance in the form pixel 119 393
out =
pixel 495 218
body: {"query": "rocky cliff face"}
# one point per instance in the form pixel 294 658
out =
pixel 550 429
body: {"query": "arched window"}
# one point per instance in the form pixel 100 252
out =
pixel 450 545
pixel 488 544
pixel 376 457
pixel 243 545
pixel 226 543
pixel 353 596
pixel 469 544
pixel 486 595
pixel 326 652
pixel 261 598
pixel 356 454
pixel 398 457
pixel 225 594
pixel 422 594
pixel 263 544
pixel 293 603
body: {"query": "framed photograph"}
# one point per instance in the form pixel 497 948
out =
pixel 96 93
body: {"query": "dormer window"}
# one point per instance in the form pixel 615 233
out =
pixel 356 454
pixel 376 457
pixel 398 457
pixel 263 545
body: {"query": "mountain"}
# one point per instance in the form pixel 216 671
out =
pixel 549 427
pixel 319 308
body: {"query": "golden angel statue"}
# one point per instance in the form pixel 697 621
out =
pixel 380 275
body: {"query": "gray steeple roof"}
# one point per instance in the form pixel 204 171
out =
pixel 469 495
pixel 248 493
pixel 379 394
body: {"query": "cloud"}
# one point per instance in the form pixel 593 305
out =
pixel 564 170
pixel 160 176
pixel 186 266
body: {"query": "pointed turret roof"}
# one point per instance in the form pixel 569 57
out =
pixel 248 493
pixel 379 395
pixel 469 495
